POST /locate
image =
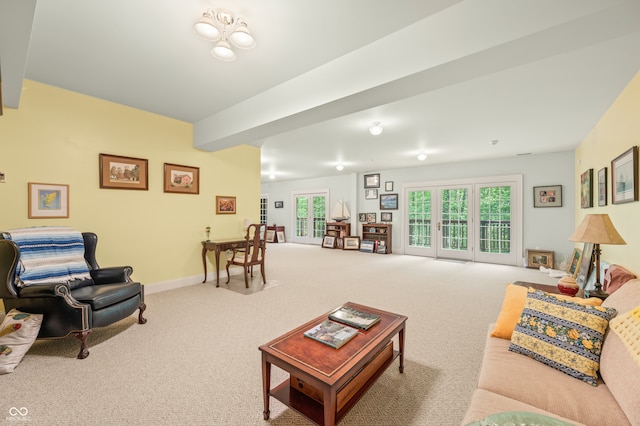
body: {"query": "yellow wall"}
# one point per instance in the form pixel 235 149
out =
pixel 617 131
pixel 56 137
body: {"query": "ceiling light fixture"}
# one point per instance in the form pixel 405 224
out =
pixel 223 26
pixel 272 176
pixel 422 156
pixel 376 128
pixel 340 167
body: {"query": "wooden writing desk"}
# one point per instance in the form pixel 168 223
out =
pixel 217 246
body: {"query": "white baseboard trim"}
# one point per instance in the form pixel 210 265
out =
pixel 188 281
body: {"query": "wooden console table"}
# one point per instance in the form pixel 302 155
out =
pixel 217 246
pixel 325 383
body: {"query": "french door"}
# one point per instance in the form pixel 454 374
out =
pixel 310 218
pixel 477 221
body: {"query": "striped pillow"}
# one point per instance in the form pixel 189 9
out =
pixel 49 254
pixel 561 334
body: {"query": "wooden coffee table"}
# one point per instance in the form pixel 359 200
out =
pixel 325 383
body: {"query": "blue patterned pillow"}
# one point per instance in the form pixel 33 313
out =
pixel 561 334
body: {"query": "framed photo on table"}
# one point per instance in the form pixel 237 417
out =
pixel 574 266
pixel 538 258
pixel 181 179
pixel 48 201
pixel 624 177
pixel 586 264
pixel 117 172
pixel 547 196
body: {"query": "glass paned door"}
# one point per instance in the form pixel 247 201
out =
pixel 455 229
pixel 311 213
pixel 495 225
pixel 420 228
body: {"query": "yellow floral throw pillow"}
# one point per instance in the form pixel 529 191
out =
pixel 561 334
pixel 18 331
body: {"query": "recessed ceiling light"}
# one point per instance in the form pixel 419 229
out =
pixel 376 128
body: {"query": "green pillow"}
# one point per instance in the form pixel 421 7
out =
pixel 564 335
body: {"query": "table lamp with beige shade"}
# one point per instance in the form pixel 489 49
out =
pixel 597 229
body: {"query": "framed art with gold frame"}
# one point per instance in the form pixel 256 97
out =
pixel 117 172
pixel 181 179
pixel 48 201
pixel 225 205
pixel 538 258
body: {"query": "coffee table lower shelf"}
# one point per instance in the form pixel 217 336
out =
pixel 313 409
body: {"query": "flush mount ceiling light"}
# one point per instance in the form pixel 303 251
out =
pixel 339 167
pixel 376 128
pixel 422 156
pixel 221 26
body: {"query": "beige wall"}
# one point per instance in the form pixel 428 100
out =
pixel 617 131
pixel 56 137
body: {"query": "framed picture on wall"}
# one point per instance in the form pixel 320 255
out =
pixel 586 189
pixel 117 172
pixel 181 179
pixel 225 205
pixel 370 194
pixel 602 187
pixel 388 201
pixel 624 177
pixel 372 180
pixel 547 196
pixel 48 201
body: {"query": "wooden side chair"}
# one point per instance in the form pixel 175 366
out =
pixel 252 254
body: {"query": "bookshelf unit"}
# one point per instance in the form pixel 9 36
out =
pixel 338 230
pixel 378 232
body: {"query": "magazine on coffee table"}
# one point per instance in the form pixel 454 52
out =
pixel 331 333
pixel 354 317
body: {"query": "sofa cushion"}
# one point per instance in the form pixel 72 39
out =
pixel 617 367
pixel 513 304
pixel 561 334
pixel 526 380
pixel 100 296
pixel 485 403
pixel 18 331
pixel 615 277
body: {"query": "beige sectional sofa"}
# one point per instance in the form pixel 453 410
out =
pixel 511 382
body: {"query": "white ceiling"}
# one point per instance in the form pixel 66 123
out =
pixel 444 77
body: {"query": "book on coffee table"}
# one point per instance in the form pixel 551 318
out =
pixel 354 317
pixel 331 333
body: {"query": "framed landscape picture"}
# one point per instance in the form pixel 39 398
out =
pixel 48 201
pixel 225 205
pixel 624 177
pixel 586 189
pixel 181 179
pixel 328 241
pixel 602 187
pixel 351 243
pixel 547 196
pixel 388 201
pixel 117 172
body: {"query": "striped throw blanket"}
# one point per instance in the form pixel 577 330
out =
pixel 49 254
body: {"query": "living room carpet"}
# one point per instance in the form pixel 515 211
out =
pixel 197 362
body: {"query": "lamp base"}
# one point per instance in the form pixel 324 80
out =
pixel 598 292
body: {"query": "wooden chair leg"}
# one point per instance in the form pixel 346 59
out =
pixel 264 277
pixel 246 278
pixel 83 336
pixel 141 319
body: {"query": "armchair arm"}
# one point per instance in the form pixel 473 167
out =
pixel 43 290
pixel 113 274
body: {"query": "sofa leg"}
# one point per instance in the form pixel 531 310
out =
pixel 142 308
pixel 83 336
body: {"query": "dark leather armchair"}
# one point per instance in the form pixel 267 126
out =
pixel 75 307
pixel 251 254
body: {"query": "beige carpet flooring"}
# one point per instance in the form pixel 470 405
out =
pixel 196 361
